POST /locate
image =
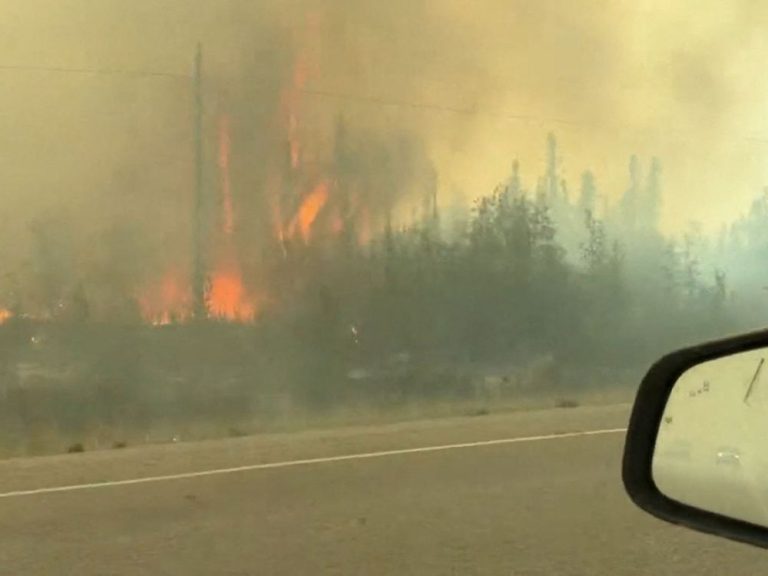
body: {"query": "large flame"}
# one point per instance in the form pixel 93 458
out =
pixel 308 211
pixel 289 124
pixel 227 296
pixel 228 299
pixel 322 210
pixel 170 300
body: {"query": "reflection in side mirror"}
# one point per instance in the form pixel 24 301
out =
pixel 710 451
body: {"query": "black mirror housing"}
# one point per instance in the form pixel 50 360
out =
pixel 643 429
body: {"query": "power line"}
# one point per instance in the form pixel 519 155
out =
pixel 395 103
pixel 371 100
pixel 95 71
pixel 374 100
pixel 530 118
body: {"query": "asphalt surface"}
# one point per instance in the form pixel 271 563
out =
pixel 547 506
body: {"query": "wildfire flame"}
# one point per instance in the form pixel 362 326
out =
pixel 230 294
pixel 171 301
pixel 227 297
pixel 308 211
pixel 226 191
pixel 5 315
pixel 168 301
pixel 291 99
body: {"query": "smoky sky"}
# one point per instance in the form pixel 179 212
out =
pixel 478 84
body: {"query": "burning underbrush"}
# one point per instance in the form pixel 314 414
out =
pixel 277 184
pixel 306 271
pixel 330 358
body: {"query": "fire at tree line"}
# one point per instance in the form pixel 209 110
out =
pixel 547 275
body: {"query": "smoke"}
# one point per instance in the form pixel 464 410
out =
pixel 430 98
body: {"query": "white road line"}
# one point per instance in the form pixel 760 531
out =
pixel 308 461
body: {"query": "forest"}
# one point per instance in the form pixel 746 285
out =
pixel 541 288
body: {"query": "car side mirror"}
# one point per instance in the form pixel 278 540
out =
pixel 696 451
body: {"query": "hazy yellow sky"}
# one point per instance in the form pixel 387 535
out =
pixel 684 81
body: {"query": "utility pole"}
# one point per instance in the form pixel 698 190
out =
pixel 199 272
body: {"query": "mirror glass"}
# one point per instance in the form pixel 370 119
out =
pixel 712 451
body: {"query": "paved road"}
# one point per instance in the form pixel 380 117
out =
pixel 542 507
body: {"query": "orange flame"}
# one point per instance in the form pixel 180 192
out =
pixel 308 211
pixel 226 192
pixel 168 301
pixel 5 315
pixel 228 299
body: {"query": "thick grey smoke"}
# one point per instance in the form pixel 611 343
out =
pixel 105 160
